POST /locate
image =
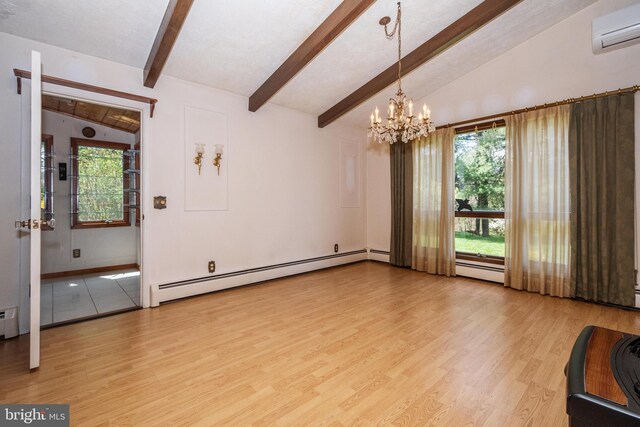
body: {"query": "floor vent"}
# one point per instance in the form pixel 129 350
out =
pixel 9 323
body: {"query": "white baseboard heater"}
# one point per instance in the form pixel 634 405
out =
pixel 186 288
pixel 9 323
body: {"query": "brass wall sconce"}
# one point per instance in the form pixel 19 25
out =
pixel 198 158
pixel 216 162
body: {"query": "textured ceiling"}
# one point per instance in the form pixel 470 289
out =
pixel 235 45
pixel 119 30
pixel 362 52
pixel 507 31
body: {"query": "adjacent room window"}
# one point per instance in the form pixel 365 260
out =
pixel 46 179
pixel 100 183
pixel 479 191
pixel 136 189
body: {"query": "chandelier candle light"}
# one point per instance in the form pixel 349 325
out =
pixel 401 124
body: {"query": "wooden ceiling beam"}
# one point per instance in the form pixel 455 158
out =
pixel 467 24
pixel 174 17
pixel 340 18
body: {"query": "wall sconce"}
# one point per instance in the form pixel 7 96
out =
pixel 198 158
pixel 218 150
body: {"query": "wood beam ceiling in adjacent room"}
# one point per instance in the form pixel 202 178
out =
pixel 338 21
pixel 466 25
pixel 113 117
pixel 174 17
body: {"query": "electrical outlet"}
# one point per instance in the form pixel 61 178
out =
pixel 76 253
pixel 212 266
pixel 335 248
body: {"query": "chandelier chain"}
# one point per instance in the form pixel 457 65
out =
pixel 397 27
pixel 401 123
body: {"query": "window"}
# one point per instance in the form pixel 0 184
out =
pixel 100 184
pixel 46 180
pixel 479 192
pixel 136 192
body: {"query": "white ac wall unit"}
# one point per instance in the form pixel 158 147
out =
pixel 616 30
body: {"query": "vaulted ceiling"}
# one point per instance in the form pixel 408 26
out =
pixel 236 45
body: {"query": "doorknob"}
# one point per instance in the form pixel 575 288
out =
pixel 51 222
pixel 27 223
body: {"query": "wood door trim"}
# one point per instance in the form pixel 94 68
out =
pixel 23 74
pixel 84 271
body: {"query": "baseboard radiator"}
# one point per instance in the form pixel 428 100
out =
pixel 475 270
pixel 8 323
pixel 186 288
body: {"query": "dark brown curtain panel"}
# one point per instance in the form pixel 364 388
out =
pixel 401 204
pixel 602 182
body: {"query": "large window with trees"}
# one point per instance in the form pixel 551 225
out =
pixel 479 192
pixel 100 184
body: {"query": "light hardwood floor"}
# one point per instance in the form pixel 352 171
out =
pixel 363 344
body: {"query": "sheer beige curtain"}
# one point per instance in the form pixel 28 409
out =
pixel 537 202
pixel 433 204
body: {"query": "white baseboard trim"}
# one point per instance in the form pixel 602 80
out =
pixel 377 255
pixel 172 291
pixel 474 270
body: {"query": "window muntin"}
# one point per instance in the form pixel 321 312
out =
pixel 100 183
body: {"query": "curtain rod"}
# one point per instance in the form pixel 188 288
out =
pixel 634 88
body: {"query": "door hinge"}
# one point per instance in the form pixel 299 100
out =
pixel 23 224
pixel 27 223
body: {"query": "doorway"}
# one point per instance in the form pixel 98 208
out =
pixel 90 201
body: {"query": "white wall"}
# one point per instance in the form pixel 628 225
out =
pixel 283 175
pixel 554 65
pixel 99 246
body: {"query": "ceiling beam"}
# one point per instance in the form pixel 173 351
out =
pixel 174 17
pixel 335 23
pixel 467 24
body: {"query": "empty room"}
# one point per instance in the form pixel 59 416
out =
pixel 320 213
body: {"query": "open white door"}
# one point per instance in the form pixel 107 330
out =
pixel 35 209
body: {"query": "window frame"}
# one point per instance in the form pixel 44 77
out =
pixel 468 256
pixel 75 222
pixel 137 181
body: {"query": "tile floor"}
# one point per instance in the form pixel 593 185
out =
pixel 71 298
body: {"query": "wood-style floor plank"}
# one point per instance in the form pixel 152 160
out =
pixel 363 344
